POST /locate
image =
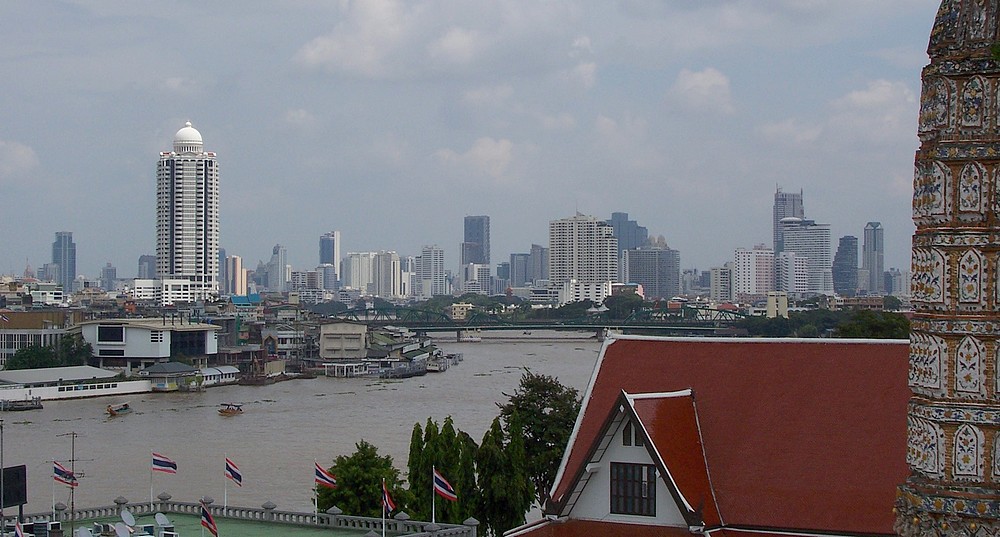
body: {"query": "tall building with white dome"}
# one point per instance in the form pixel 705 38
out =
pixel 187 218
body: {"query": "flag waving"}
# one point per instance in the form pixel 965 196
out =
pixel 64 475
pixel 324 478
pixel 387 502
pixel 18 530
pixel 207 521
pixel 443 488
pixel 163 464
pixel 233 472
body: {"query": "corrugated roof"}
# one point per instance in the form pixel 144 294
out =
pixel 74 373
pixel 798 434
pixel 158 323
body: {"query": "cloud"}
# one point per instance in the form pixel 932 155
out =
pixel 488 95
pixel 15 160
pixel 586 73
pixel 363 43
pixel 790 131
pixel 882 112
pixel 487 156
pixel 705 91
pixel 181 85
pixel 457 46
pixel 627 142
pixel 563 121
pixel 299 118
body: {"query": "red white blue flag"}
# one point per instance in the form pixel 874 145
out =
pixel 387 502
pixel 164 464
pixel 18 530
pixel 443 488
pixel 233 472
pixel 324 478
pixel 4 318
pixel 207 521
pixel 64 475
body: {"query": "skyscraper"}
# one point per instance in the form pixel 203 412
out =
pixel 953 416
pixel 476 246
pixel 872 257
pixel 658 270
pixel 277 270
pixel 753 273
pixel 811 240
pixel 109 277
pixel 582 249
pixel 147 267
pixel 519 264
pixel 187 215
pixel 64 255
pixel 845 266
pixel 786 204
pixel 329 253
pixel 430 272
pixel 629 233
pixel 538 263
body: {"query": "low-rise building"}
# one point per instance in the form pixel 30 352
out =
pixel 132 344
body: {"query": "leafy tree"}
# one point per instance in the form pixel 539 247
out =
pixel 877 325
pixel 359 483
pixel 891 303
pixel 464 480
pixel 33 357
pixel 504 490
pixel 453 454
pixel 546 412
pixel 621 306
pixel 74 350
pixel 447 463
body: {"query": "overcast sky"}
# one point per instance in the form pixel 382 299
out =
pixel 391 121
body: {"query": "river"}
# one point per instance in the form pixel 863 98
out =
pixel 284 428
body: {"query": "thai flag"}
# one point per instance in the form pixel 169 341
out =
pixel 443 488
pixel 233 472
pixel 387 502
pixel 4 318
pixel 64 475
pixel 208 521
pixel 324 478
pixel 18 530
pixel 164 464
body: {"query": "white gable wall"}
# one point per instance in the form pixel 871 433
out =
pixel 594 502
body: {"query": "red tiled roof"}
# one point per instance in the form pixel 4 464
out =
pixel 594 528
pixel 798 434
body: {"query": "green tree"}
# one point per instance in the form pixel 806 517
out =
pixel 359 483
pixel 621 306
pixel 416 477
pixel 891 303
pixel 547 411
pixel 74 350
pixel 447 463
pixel 464 480
pixel 33 357
pixel 503 485
pixel 874 325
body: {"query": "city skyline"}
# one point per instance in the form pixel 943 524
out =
pixel 681 115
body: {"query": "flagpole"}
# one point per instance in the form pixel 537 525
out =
pixel 53 490
pixel 384 507
pixel 433 503
pixel 315 492
pixel 150 480
pixel 225 487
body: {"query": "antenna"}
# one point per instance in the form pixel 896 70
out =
pixel 72 468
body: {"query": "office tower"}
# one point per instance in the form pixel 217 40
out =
pixel 753 273
pixel 431 275
pixel 236 281
pixel 845 266
pixel 897 282
pixel 147 267
pixel 277 270
pixel 791 273
pixel 658 270
pixel 187 215
pixel 64 255
pixel 330 280
pixel 329 252
pixel 872 257
pixel 538 263
pixel 476 246
pixel 476 279
pixel 786 205
pixel 357 271
pixel 385 276
pixel 953 417
pixel 109 277
pixel 629 233
pixel 519 269
pixel 721 283
pixel 811 240
pixel 582 249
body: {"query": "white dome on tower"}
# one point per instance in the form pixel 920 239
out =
pixel 187 140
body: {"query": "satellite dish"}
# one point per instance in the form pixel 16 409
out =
pixel 121 530
pixel 84 532
pixel 128 519
pixel 161 519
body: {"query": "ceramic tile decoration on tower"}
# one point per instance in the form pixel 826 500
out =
pixel 953 421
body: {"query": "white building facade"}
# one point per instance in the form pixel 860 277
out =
pixel 582 249
pixel 753 272
pixel 812 240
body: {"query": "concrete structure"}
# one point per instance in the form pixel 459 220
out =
pixel 64 259
pixel 777 304
pixel 127 344
pixel 582 249
pixel 147 267
pixel 786 204
pixel 430 278
pixel 753 273
pixel 329 251
pixel 791 273
pixel 658 270
pixel 187 216
pixel 629 233
pixel 476 246
pixel 236 276
pixel 721 283
pixel 538 264
pixel 519 269
pixel 343 340
pixel 278 271
pixel 576 291
pixel 811 240
pixel 476 278
pixel 845 266
pixel 872 255
pixel 386 276
pixel 953 420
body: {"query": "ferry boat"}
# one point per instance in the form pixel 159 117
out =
pixel 231 409
pixel 33 403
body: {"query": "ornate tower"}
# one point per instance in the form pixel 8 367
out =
pixel 953 419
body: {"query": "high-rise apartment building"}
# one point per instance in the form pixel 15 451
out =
pixel 845 266
pixel 786 205
pixel 629 233
pixel 476 246
pixel 721 283
pixel 147 267
pixel 109 277
pixel 236 280
pixel 187 215
pixel 872 255
pixel 519 264
pixel 386 275
pixel 582 250
pixel 329 253
pixel 431 276
pixel 278 271
pixel 791 273
pixel 658 270
pixel 538 263
pixel 357 271
pixel 753 273
pixel 64 257
pixel 811 240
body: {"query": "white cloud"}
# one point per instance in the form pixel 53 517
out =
pixel 884 111
pixel 586 73
pixel 363 43
pixel 488 95
pixel 627 142
pixel 15 160
pixel 300 118
pixel 181 85
pixel 790 131
pixel 487 156
pixel 457 46
pixel 706 91
pixel 563 121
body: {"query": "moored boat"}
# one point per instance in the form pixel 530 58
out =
pixel 21 404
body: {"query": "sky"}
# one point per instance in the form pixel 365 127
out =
pixel 393 120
